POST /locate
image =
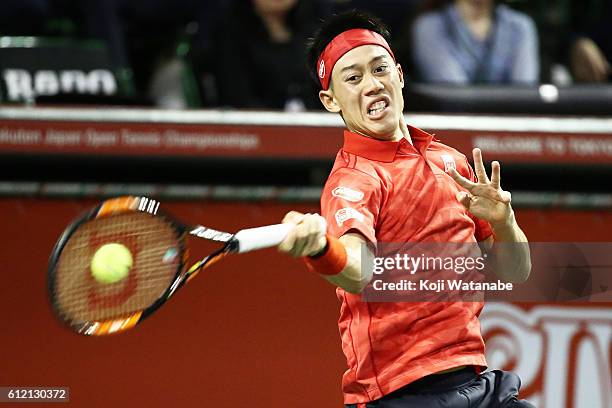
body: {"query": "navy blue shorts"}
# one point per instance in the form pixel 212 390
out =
pixel 459 389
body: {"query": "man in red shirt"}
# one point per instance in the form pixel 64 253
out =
pixel 396 183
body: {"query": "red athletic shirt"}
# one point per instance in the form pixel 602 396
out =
pixel 397 192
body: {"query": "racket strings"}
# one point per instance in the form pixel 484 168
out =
pixel 156 250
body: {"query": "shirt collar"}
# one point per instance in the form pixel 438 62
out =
pixel 384 150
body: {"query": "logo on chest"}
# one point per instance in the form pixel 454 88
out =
pixel 449 162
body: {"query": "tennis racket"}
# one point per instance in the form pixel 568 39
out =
pixel 158 245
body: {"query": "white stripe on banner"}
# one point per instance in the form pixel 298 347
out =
pixel 516 123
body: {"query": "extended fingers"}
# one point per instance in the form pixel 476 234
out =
pixel 462 181
pixel 479 168
pixel 506 197
pixel 495 174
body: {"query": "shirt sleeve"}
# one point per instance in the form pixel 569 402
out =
pixel 482 228
pixel 351 200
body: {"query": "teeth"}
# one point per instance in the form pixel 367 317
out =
pixel 377 107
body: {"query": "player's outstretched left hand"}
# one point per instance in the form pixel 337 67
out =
pixel 484 199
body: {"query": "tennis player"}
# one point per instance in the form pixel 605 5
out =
pixel 392 182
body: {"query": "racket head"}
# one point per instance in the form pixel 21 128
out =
pixel 158 247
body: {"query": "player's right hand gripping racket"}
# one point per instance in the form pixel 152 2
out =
pixel 158 245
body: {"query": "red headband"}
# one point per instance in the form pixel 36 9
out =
pixel 343 43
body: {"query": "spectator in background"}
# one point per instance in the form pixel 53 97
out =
pixel 591 48
pixel 258 61
pixel 588 61
pixel 474 41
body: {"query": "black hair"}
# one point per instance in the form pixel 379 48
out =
pixel 334 26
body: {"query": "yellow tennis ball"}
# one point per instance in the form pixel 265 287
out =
pixel 111 263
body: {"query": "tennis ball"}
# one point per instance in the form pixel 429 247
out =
pixel 111 263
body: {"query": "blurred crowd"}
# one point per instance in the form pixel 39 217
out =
pixel 250 53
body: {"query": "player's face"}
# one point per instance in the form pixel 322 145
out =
pixel 366 89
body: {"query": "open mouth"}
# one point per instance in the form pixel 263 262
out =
pixel 377 108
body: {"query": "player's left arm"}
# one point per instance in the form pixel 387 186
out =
pixel 486 200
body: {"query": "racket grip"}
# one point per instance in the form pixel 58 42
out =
pixel 262 237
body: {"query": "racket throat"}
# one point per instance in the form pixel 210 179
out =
pixel 201 231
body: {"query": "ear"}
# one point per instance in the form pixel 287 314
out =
pixel 329 101
pixel 400 72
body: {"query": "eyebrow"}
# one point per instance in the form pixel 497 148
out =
pixel 382 56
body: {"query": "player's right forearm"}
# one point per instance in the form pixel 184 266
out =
pixel 356 275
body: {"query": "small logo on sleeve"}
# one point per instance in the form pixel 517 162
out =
pixel 348 194
pixel 449 162
pixel 345 214
pixel 321 69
